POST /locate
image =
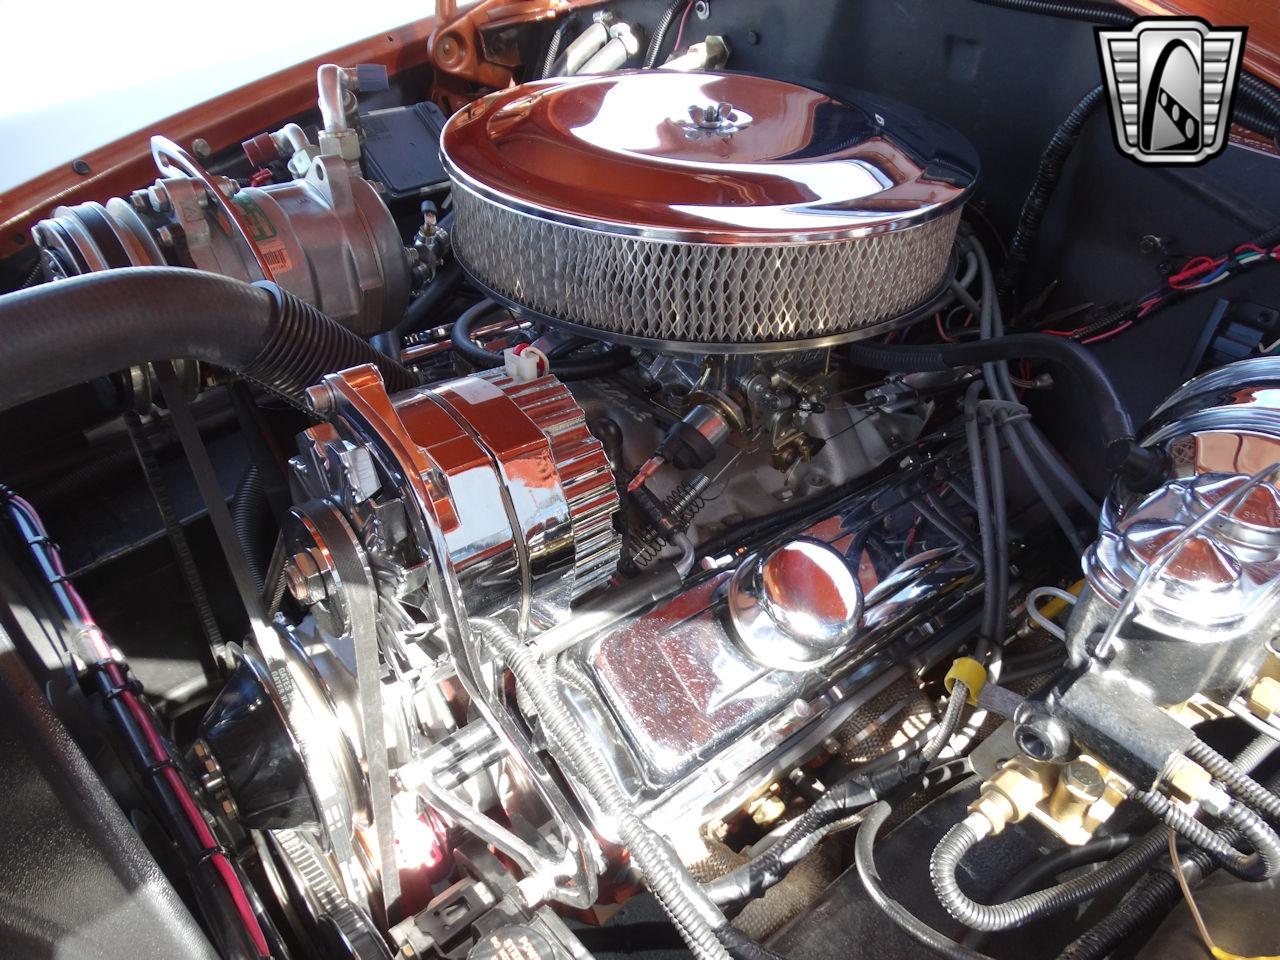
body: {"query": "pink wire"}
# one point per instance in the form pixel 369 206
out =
pixel 684 18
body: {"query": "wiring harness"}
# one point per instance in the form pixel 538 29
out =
pixel 1198 273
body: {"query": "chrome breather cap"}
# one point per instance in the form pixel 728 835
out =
pixel 704 211
pixel 795 607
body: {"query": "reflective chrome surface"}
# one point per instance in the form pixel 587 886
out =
pixel 691 722
pixel 1200 620
pixel 620 152
pixel 796 607
pixel 477 496
pixel 326 237
pixel 600 204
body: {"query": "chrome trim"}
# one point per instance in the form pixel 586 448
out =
pixel 902 221
pixel 732 348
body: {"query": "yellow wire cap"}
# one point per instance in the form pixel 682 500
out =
pixel 969 672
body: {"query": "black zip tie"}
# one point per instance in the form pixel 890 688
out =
pixel 115 693
pixel 208 853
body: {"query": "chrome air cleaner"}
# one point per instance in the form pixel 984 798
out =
pixel 705 212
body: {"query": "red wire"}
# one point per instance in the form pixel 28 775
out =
pixel 159 752
pixel 1107 335
pixel 937 321
pixel 684 17
pixel 1189 273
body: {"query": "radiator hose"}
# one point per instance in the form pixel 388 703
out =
pixel 60 334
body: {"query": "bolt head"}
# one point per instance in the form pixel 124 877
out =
pixel 1082 780
pixel 305 578
pixel 159 198
pixel 321 399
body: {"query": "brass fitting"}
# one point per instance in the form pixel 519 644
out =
pixel 1013 792
pixel 1080 785
pixel 1263 698
pixel 1187 780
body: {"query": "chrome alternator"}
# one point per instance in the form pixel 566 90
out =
pixel 500 484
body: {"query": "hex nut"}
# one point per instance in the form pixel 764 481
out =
pixel 1264 698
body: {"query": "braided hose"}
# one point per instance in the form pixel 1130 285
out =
pixel 1244 866
pixel 660 30
pixel 1158 892
pixel 1247 789
pixel 961 838
pixel 690 911
pixel 1153 898
pixel 1261 747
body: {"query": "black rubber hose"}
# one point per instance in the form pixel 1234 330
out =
pixel 1239 783
pixel 1048 173
pixel 991 550
pixel 660 29
pixel 463 340
pixel 464 343
pixel 912 358
pixel 862 788
pixel 960 839
pixel 1060 861
pixel 249 513
pixel 864 860
pixel 59 334
pixel 936 514
pixel 1000 520
pixel 760 873
pixel 426 304
pixel 1038 483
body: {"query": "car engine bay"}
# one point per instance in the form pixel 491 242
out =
pixel 659 478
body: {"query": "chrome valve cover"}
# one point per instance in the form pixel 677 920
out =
pixel 694 722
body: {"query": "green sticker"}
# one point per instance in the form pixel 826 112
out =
pixel 259 222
